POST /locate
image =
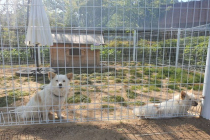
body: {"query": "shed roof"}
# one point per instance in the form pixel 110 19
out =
pixel 78 37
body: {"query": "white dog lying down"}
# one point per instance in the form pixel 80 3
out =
pixel 172 108
pixel 52 96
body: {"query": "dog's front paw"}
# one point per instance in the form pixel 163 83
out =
pixel 62 117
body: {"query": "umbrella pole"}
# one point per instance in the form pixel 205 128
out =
pixel 37 59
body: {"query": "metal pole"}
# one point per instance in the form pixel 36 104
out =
pixel 37 59
pixel 31 51
pixel 177 46
pixel 206 88
pixel 28 11
pixel 134 45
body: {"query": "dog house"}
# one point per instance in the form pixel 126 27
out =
pixel 76 48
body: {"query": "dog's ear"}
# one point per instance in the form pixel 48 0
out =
pixel 191 91
pixel 183 95
pixel 51 75
pixel 69 76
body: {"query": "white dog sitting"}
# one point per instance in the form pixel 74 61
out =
pixel 52 96
pixel 176 107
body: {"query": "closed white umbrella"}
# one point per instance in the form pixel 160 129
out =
pixel 38 32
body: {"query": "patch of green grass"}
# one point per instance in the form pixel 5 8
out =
pixel 125 63
pixel 170 91
pixel 17 93
pixel 82 107
pixel 123 71
pixel 128 81
pixel 86 82
pixel 118 80
pixel 125 81
pixel 133 71
pixel 132 77
pixel 77 88
pixel 121 77
pixel 198 87
pixel 145 90
pixel 97 89
pixel 108 107
pixel 154 88
pixel 83 89
pixel 132 81
pixel 155 82
pixel 131 94
pixel 77 98
pixel 76 77
pixel 4 101
pixel 139 81
pixel 77 93
pixel 158 76
pixel 139 63
pixel 114 99
pixel 173 86
pixel 1 79
pixel 138 74
pixel 189 87
pixel 138 103
pixel 133 63
pixel 111 77
pixel 149 70
pixel 98 78
pixel 154 100
pixel 180 75
pixel 136 87
pixel 26 80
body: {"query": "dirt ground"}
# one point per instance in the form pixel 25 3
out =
pixel 78 112
pixel 177 128
pixel 99 129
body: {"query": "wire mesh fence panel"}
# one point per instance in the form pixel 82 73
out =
pixel 110 60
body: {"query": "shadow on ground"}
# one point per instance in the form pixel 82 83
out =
pixel 178 128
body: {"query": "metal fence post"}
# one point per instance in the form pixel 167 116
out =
pixel 134 45
pixel 206 89
pixel 177 46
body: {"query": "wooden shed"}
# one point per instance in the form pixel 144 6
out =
pixel 76 48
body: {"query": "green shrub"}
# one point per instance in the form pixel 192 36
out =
pixel 136 87
pixel 197 87
pixel 125 81
pixel 154 100
pixel 173 86
pixel 114 99
pixel 77 98
pixel 86 82
pixel 17 93
pixel 111 108
pixel 149 70
pixel 118 80
pixel 137 103
pixel 155 82
pixel 6 101
pixel 154 88
pixel 131 94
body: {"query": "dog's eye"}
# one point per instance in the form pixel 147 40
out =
pixel 56 80
pixel 64 81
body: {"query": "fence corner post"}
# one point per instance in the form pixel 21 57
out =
pixel 205 113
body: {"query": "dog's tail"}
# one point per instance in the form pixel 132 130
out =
pixel 25 112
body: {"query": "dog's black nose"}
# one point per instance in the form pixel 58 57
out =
pixel 196 103
pixel 60 85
